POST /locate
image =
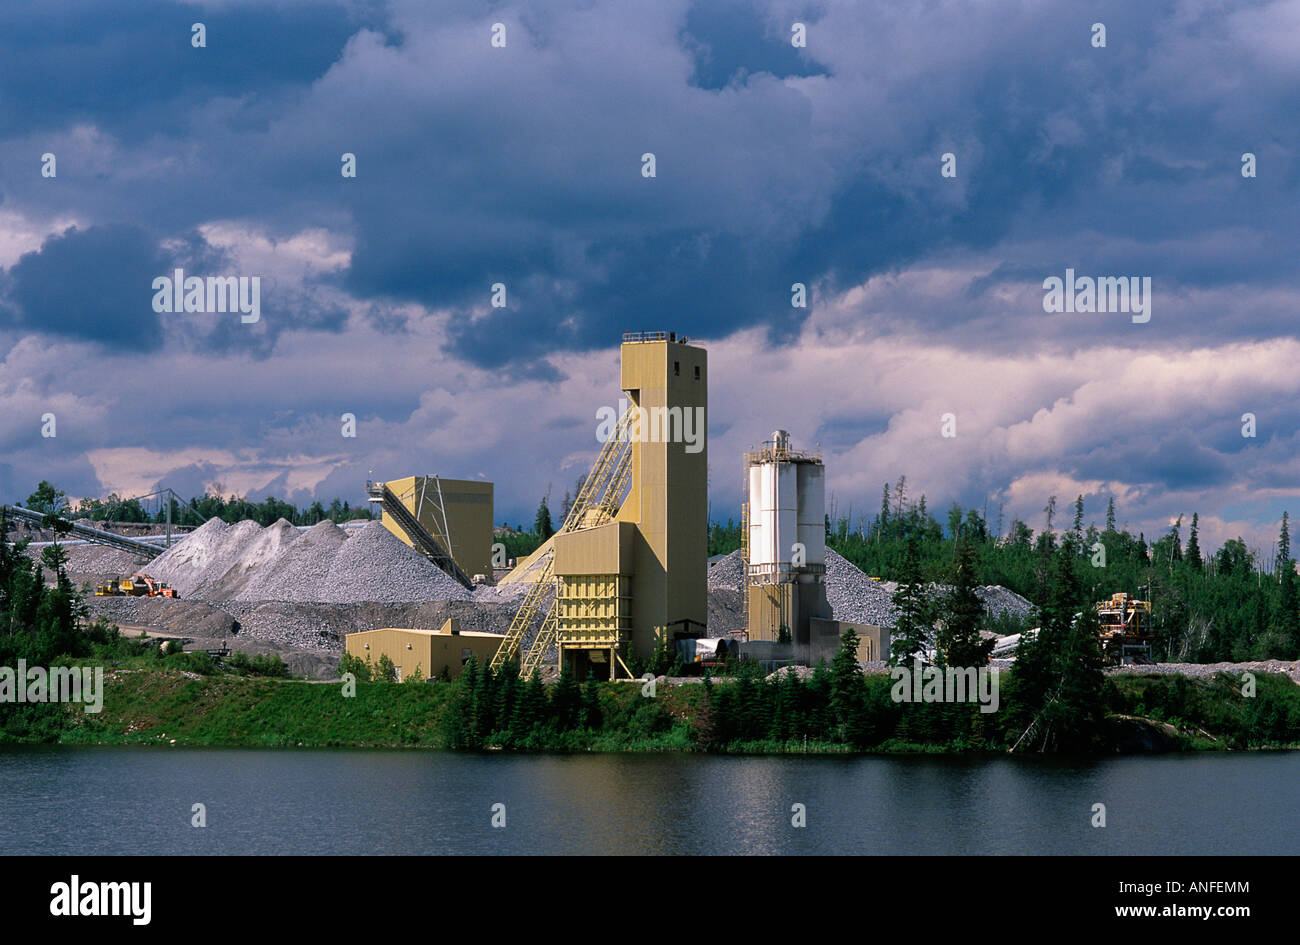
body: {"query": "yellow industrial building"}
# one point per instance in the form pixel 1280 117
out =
pixel 449 520
pixel 628 565
pixel 440 653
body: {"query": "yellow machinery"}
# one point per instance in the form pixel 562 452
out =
pixel 139 585
pixel 1125 627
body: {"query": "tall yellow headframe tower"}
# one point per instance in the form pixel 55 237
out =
pixel 626 585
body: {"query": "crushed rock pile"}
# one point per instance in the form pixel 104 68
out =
pixel 727 572
pixel 324 564
pixel 852 594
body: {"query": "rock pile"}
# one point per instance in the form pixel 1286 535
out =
pixel 325 564
pixel 853 596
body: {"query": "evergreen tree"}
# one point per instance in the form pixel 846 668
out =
pixel 566 701
pixel 1110 514
pixel 1076 718
pixel 912 620
pixel 1076 527
pixel 542 523
pixel 506 693
pixel 846 677
pixel 1057 678
pixel 1287 619
pixel 1193 555
pixel 884 511
pixel 821 720
pixel 788 721
pixel 591 714
pixel 529 710
pixel 960 643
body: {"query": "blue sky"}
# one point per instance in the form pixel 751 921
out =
pixel 775 165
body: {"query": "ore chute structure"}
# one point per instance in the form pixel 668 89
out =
pixel 397 512
pixel 598 502
pixel 635 585
pixel 628 566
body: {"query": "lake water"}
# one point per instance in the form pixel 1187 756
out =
pixel 61 800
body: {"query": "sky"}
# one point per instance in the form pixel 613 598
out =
pixel 775 164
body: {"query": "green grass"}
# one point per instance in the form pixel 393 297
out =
pixel 146 702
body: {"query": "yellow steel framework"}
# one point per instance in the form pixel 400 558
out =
pixel 597 503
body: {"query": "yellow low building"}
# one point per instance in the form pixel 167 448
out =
pixel 435 653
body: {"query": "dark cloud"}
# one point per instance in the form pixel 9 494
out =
pixel 130 66
pixel 730 39
pixel 1171 462
pixel 775 165
pixel 93 285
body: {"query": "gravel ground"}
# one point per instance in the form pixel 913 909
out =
pixel 1290 668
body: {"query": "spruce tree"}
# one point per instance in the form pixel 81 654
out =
pixel 912 620
pixel 960 643
pixel 884 512
pixel 846 677
pixel 591 714
pixel 1057 679
pixel 1193 555
pixel 1287 617
pixel 566 701
pixel 542 523
pixel 529 710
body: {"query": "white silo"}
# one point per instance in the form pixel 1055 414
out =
pixel 785 541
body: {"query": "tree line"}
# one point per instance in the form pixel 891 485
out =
pixel 1232 605
pixel 230 509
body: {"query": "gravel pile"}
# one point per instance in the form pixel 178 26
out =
pixel 502 593
pixel 184 565
pixel 999 600
pixel 853 596
pixel 221 563
pixel 265 546
pixel 300 572
pixel 96 561
pixel 374 565
pixel 187 618
pixel 728 572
